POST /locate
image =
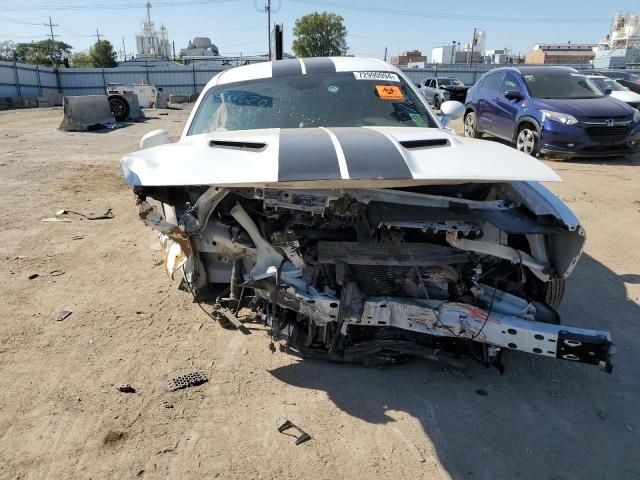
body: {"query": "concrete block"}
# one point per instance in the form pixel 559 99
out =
pixel 85 113
pixel 135 112
pixel 161 100
pixel 178 98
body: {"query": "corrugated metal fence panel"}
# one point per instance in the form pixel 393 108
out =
pixel 173 78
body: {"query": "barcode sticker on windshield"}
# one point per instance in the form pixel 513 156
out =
pixel 391 77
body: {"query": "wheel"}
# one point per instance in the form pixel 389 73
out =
pixel 555 292
pixel 119 107
pixel 437 103
pixel 471 125
pixel 527 141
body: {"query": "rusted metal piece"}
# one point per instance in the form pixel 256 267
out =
pixel 175 244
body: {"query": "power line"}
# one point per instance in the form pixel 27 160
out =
pixel 111 6
pixel 448 16
pixel 15 20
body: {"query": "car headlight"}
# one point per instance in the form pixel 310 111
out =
pixel 559 117
pixel 636 116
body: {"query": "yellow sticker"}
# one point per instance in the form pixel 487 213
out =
pixel 389 92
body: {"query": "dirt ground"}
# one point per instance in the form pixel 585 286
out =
pixel 62 416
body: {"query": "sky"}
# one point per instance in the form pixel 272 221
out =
pixel 240 26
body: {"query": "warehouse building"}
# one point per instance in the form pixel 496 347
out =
pixel 561 53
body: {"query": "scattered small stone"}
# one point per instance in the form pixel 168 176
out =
pixel 245 351
pixel 602 415
pixel 114 436
pixel 628 427
pixel 140 472
pixel 62 315
pixel 19 257
pixel 482 392
pixel 77 237
pixel 126 388
pixel 31 276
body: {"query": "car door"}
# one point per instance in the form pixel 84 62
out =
pixel 424 86
pixel 506 110
pixel 486 106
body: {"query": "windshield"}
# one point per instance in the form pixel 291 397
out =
pixel 607 83
pixel 345 99
pixel 560 85
pixel 450 81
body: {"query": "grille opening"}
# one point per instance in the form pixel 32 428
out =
pixel 250 146
pixel 427 143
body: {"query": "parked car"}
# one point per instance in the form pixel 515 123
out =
pixel 626 78
pixel 550 110
pixel 608 86
pixel 442 89
pixel 325 195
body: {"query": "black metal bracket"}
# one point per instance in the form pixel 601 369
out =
pixel 304 436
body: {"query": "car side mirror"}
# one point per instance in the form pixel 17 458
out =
pixel 606 91
pixel 513 95
pixel 155 138
pixel 451 110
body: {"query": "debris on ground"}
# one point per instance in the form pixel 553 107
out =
pixel 53 219
pixel 89 216
pixel 56 273
pixel 63 314
pixel 126 388
pixel 303 437
pixel 192 379
pixel 482 392
pixel 19 257
pixel 114 436
pixel 31 276
pixel 77 237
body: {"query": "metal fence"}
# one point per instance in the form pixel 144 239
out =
pixel 25 80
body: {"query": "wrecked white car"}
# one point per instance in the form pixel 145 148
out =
pixel 327 197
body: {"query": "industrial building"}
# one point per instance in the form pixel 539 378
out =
pixel 405 58
pixel 621 48
pixel 561 53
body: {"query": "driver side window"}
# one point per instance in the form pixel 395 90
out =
pixel 510 82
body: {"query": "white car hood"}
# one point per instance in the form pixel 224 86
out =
pixel 626 96
pixel 330 158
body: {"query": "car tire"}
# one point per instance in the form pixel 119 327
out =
pixel 119 107
pixel 437 103
pixel 554 293
pixel 527 140
pixel 471 125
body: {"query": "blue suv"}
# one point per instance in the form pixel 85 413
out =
pixel 550 110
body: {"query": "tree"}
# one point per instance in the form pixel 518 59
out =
pixel 320 35
pixel 81 60
pixel 102 54
pixel 44 52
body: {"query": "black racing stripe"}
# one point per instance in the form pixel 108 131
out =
pixel 371 155
pixel 307 154
pixel 284 68
pixel 319 65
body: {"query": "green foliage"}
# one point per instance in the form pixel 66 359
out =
pixel 81 60
pixel 44 52
pixel 320 35
pixel 102 54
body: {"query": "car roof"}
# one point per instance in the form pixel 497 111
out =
pixel 260 70
pixel 533 69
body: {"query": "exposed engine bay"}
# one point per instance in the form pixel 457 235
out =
pixel 377 275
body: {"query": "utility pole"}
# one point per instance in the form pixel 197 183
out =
pixel 51 25
pixel 267 8
pixel 98 35
pixel 473 44
pixel 385 54
pixel 124 50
